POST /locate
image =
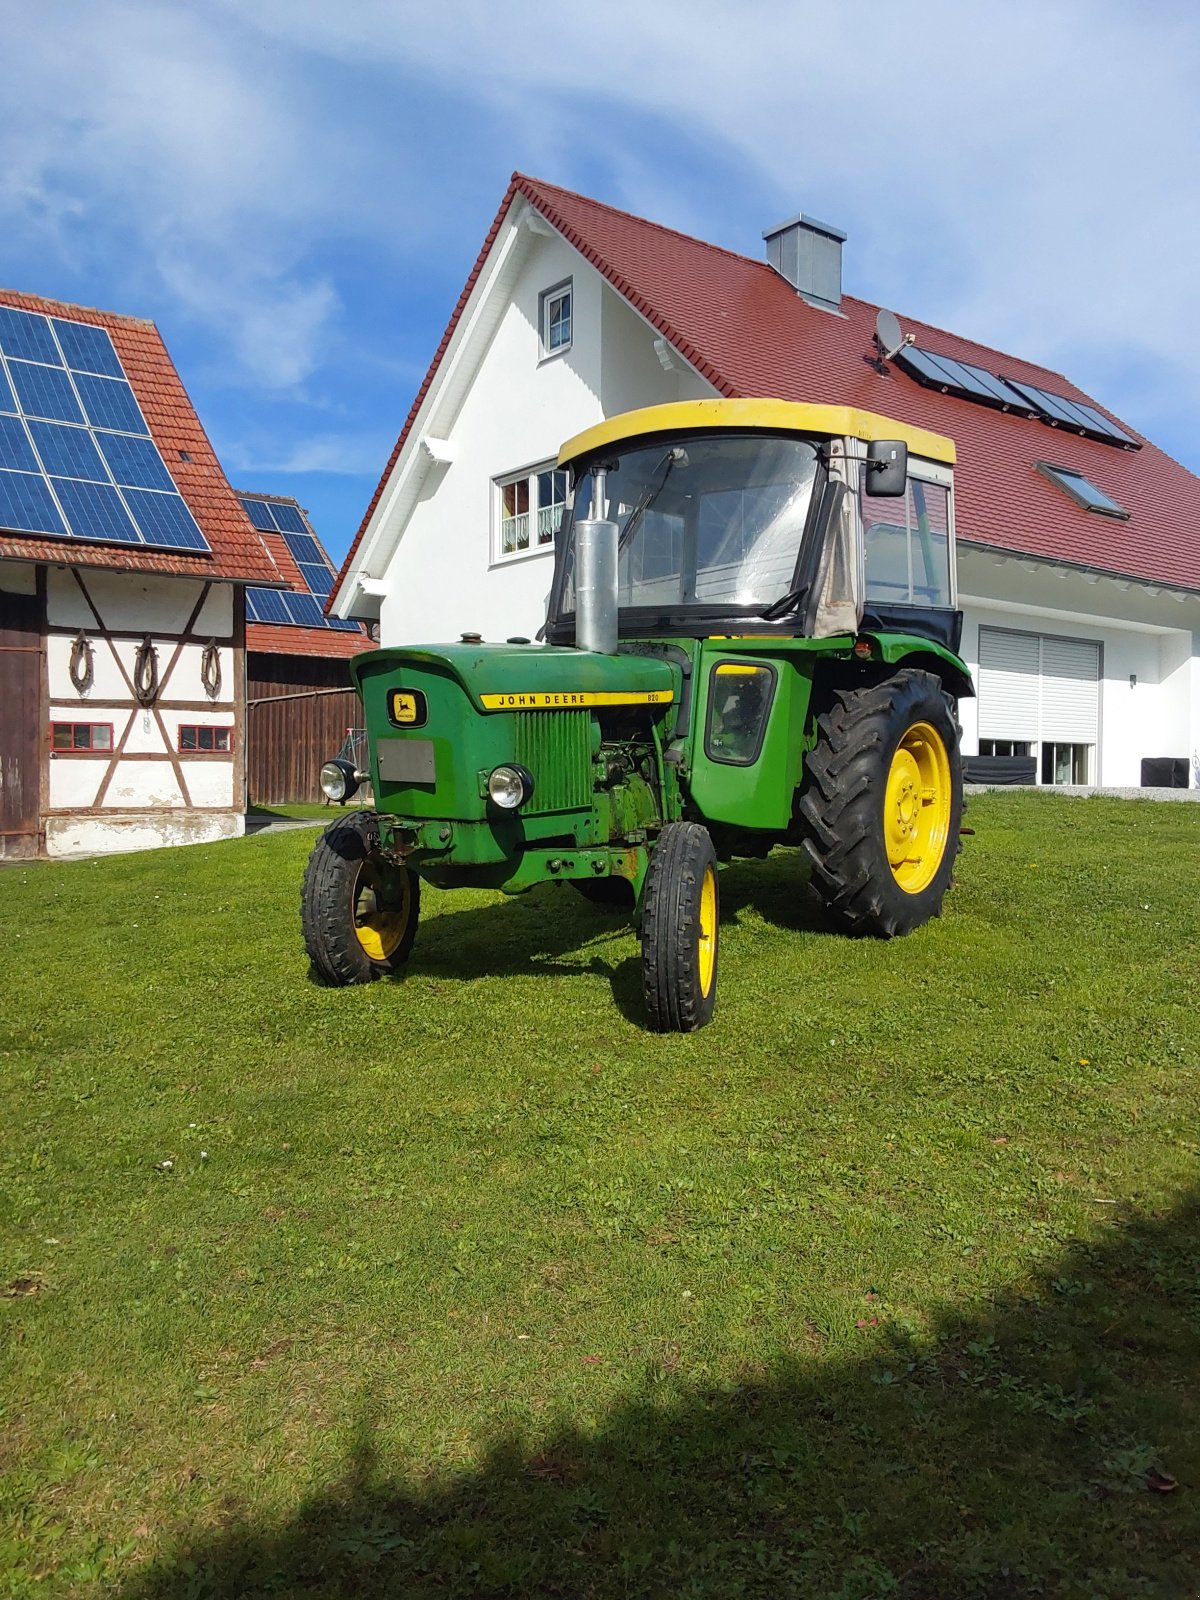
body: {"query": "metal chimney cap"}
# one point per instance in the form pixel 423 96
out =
pixel 801 221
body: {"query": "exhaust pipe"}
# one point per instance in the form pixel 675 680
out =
pixel 596 577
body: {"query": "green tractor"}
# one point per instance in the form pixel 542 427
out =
pixel 751 640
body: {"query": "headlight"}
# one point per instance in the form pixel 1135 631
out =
pixel 339 779
pixel 510 787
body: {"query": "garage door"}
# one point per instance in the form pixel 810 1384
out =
pixel 1040 691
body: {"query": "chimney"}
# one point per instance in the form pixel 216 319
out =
pixel 809 255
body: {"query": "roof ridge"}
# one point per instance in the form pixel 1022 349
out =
pixel 73 305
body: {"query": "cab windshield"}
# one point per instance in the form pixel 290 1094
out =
pixel 703 522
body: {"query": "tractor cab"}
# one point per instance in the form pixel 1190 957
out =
pixel 764 517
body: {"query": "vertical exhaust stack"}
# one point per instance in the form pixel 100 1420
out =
pixel 596 577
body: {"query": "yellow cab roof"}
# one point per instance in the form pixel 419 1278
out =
pixel 833 421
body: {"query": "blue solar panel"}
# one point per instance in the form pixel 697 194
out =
pixel 135 463
pixel 24 333
pixel 44 392
pixel 164 519
pixel 265 605
pixel 68 452
pixel 110 404
pixel 303 610
pixel 26 504
pixel 8 400
pixel 318 579
pixel 15 449
pixel 288 519
pixel 341 624
pixel 259 513
pixel 94 511
pixel 87 349
pixel 304 548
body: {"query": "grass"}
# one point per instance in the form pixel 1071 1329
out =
pixel 883 1284
pixel 300 810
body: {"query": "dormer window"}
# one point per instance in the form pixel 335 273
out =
pixel 1082 491
pixel 554 316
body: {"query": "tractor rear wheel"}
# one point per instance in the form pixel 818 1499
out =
pixel 881 804
pixel 680 916
pixel 359 908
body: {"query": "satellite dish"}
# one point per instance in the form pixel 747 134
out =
pixel 889 337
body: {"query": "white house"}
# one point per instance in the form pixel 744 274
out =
pixel 1078 540
pixel 124 556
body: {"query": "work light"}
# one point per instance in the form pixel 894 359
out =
pixel 339 779
pixel 510 787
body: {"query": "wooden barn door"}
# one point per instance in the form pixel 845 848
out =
pixel 21 714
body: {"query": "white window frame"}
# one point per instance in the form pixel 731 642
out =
pixel 547 300
pixel 529 475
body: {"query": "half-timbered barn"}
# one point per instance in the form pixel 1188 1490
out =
pixel 300 705
pixel 124 557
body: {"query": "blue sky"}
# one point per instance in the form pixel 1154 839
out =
pixel 295 191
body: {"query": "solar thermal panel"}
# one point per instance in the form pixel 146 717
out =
pixel 135 463
pixel 1073 414
pixel 27 506
pixel 94 511
pixel 16 452
pixel 44 392
pixel 110 403
pixel 68 452
pixel 87 348
pixel 27 335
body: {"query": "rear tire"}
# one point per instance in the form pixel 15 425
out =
pixel 680 921
pixel 359 908
pixel 881 804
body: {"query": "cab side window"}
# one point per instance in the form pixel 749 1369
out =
pixel 907 545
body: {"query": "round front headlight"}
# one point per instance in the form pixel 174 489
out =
pixel 510 787
pixel 338 780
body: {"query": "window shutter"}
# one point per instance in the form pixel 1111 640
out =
pixel 1008 684
pixel 1070 690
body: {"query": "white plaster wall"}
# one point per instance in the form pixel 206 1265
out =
pixel 73 836
pixel 210 783
pixel 137 785
pixel 18 577
pixel 133 602
pixel 517 412
pixel 75 781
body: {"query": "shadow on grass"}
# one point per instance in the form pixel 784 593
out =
pixel 1014 1453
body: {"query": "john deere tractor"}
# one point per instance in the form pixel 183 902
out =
pixel 751 641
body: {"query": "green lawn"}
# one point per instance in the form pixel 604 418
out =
pixel 883 1284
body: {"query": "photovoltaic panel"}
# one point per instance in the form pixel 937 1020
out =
pixel 110 404
pixel 44 392
pixel 266 605
pixel 24 334
pixel 304 548
pixel 318 579
pixel 16 452
pixel 303 609
pixel 87 348
pixel 26 504
pixel 61 382
pixel 94 511
pixel 342 624
pixel 259 513
pixel 134 463
pixel 288 519
pixel 164 519
pixel 68 452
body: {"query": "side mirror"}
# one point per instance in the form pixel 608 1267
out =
pixel 887 467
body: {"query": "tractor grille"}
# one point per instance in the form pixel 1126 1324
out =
pixel 556 747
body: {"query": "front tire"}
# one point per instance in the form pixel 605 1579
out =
pixel 359 908
pixel 680 920
pixel 881 804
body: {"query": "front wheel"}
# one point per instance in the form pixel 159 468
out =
pixel 359 908
pixel 680 916
pixel 881 804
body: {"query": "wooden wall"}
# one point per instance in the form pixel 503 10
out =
pixel 298 709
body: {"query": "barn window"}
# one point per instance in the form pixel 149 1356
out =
pixel 195 738
pixel 81 736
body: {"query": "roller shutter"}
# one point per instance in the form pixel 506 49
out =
pixel 1036 687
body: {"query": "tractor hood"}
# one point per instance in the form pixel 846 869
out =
pixel 505 677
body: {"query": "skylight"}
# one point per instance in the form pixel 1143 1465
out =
pixel 76 457
pixel 1083 491
pixel 287 607
pixel 1074 414
pixel 960 377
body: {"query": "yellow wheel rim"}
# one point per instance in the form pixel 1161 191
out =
pixel 706 949
pixel 916 808
pixel 379 921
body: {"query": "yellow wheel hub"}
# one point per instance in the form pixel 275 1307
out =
pixel 707 944
pixel 380 915
pixel 916 808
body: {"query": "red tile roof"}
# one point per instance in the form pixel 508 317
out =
pixel 750 334
pixel 177 431
pixel 287 639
